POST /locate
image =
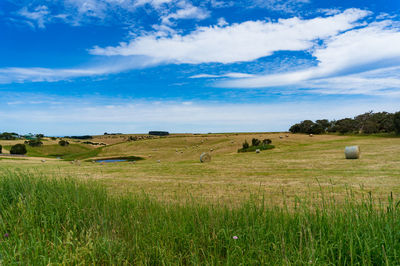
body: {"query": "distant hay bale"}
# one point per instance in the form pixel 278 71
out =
pixel 258 151
pixel 43 161
pixel 205 157
pixel 352 152
pixel 311 135
pixel 158 161
pixel 287 136
pixel 280 137
pixel 211 149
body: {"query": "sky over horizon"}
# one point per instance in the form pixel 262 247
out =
pixel 77 67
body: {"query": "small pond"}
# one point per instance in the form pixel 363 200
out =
pixel 119 159
pixel 111 161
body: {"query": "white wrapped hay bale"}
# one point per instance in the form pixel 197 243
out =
pixel 258 151
pixel 352 152
pixel 205 157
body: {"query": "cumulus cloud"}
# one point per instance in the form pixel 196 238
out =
pixel 245 41
pixel 340 61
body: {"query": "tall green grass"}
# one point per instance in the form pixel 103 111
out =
pixel 59 220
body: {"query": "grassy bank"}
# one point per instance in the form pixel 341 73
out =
pixel 60 220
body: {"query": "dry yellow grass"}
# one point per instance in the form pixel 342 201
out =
pixel 299 166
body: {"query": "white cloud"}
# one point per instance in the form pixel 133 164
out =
pixel 227 75
pixel 40 15
pixel 245 41
pixel 287 6
pixel 78 12
pixel 185 11
pixel 376 46
pixel 38 74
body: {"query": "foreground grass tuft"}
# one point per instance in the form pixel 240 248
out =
pixel 59 220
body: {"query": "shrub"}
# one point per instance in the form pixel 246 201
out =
pixel 1 149
pixel 254 148
pixel 255 142
pixel 8 136
pixel 34 143
pixel 63 143
pixel 255 145
pixel 18 149
pixel 245 145
pixel 53 138
pixel 267 141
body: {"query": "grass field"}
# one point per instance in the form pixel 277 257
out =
pixel 58 220
pixel 298 166
pixel 299 203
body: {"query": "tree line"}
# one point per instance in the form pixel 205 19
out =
pixel 367 123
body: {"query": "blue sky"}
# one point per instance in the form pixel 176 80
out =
pixel 93 66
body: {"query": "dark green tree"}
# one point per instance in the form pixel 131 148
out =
pixel 18 149
pixel 63 143
pixel 396 122
pixel 245 145
pixel 255 142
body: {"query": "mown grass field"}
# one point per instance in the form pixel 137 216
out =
pixel 299 166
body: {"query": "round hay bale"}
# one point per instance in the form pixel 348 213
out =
pixel 43 161
pixel 205 157
pixel 158 161
pixel 311 135
pixel 211 149
pixel 258 151
pixel 352 152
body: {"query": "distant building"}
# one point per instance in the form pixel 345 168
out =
pixel 159 133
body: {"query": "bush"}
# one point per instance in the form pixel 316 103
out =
pixel 34 143
pixel 1 149
pixel 267 141
pixel 245 145
pixel 8 136
pixel 18 149
pixel 255 142
pixel 63 143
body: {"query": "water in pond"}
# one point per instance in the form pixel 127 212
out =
pixel 111 160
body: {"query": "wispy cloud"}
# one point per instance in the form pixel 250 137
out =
pixel 38 16
pixel 226 75
pixel 37 74
pixel 287 6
